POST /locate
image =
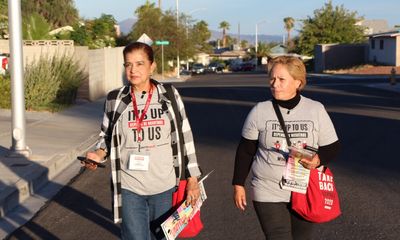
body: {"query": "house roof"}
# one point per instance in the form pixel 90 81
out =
pixel 386 34
pixel 278 49
pixel 374 26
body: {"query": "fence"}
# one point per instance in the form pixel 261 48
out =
pixel 104 66
pixel 336 56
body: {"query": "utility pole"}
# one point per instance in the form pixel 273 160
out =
pixel 239 35
pixel 178 65
pixel 18 147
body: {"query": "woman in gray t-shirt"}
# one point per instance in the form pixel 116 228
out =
pixel 263 149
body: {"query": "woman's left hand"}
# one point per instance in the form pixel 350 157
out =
pixel 311 164
pixel 192 191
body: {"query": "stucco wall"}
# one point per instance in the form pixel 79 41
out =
pixel 105 71
pixel 387 55
pixel 4 47
pixel 337 56
pixel 104 66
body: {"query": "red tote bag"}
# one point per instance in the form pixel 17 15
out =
pixel 321 201
pixel 195 225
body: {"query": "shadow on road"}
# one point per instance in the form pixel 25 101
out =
pixel 86 207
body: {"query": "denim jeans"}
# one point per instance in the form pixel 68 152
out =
pixel 142 215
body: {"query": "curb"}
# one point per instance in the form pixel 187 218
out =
pixel 31 184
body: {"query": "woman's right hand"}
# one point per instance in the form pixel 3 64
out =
pixel 239 196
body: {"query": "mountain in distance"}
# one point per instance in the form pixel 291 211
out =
pixel 126 27
pixel 250 38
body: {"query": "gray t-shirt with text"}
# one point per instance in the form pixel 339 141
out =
pixel 156 135
pixel 307 124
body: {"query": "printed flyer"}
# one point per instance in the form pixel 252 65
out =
pixel 295 177
pixel 181 217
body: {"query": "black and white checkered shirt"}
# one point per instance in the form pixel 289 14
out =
pixel 109 138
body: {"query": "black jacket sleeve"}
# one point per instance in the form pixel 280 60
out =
pixel 243 160
pixel 328 152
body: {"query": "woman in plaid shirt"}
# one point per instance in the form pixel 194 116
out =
pixel 139 136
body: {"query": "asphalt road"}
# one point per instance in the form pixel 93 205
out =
pixel 367 121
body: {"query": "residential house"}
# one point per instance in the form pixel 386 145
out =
pixel 384 48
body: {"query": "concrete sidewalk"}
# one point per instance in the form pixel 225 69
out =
pixel 55 140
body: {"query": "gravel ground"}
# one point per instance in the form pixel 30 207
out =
pixel 369 69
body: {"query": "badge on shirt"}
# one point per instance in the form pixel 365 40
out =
pixel 139 162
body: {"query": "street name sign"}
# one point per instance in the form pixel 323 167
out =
pixel 162 42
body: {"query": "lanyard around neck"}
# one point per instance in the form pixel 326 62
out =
pixel 139 119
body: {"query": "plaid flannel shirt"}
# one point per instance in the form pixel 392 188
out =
pixel 109 138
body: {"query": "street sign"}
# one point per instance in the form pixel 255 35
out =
pixel 162 42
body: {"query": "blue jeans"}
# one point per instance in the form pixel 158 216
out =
pixel 142 215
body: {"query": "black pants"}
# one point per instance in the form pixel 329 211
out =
pixel 278 221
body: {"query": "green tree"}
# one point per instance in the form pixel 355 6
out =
pixel 289 24
pixel 263 49
pixel 199 37
pixel 148 21
pixel 58 13
pixel 3 19
pixel 81 35
pixel 35 27
pixel 329 25
pixel 189 36
pixel 3 25
pixel 224 25
pixel 244 44
pixel 103 31
pixel 96 33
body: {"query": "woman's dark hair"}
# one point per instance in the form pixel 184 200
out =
pixel 139 46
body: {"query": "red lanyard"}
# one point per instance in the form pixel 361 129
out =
pixel 139 120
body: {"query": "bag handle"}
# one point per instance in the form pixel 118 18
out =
pixel 281 121
pixel 178 117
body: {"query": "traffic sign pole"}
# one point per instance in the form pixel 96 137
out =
pixel 162 62
pixel 162 43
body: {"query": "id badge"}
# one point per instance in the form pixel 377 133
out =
pixel 139 162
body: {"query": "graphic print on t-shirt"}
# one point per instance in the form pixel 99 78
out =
pixel 300 134
pixel 152 123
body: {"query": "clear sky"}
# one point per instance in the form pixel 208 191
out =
pixel 246 13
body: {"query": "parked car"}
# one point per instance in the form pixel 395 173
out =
pixel 247 66
pixel 198 68
pixel 184 72
pixel 215 67
pixel 235 67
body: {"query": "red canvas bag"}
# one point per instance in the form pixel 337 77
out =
pixel 321 201
pixel 195 225
pixel 179 196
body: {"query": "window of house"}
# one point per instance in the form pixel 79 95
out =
pixel 381 44
pixel 373 43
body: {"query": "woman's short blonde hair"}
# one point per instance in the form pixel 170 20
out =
pixel 294 65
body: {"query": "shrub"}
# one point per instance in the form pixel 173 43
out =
pixel 41 84
pixel 5 90
pixel 50 84
pixel 71 76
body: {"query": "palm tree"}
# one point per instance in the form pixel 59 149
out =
pixel 289 24
pixel 224 25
